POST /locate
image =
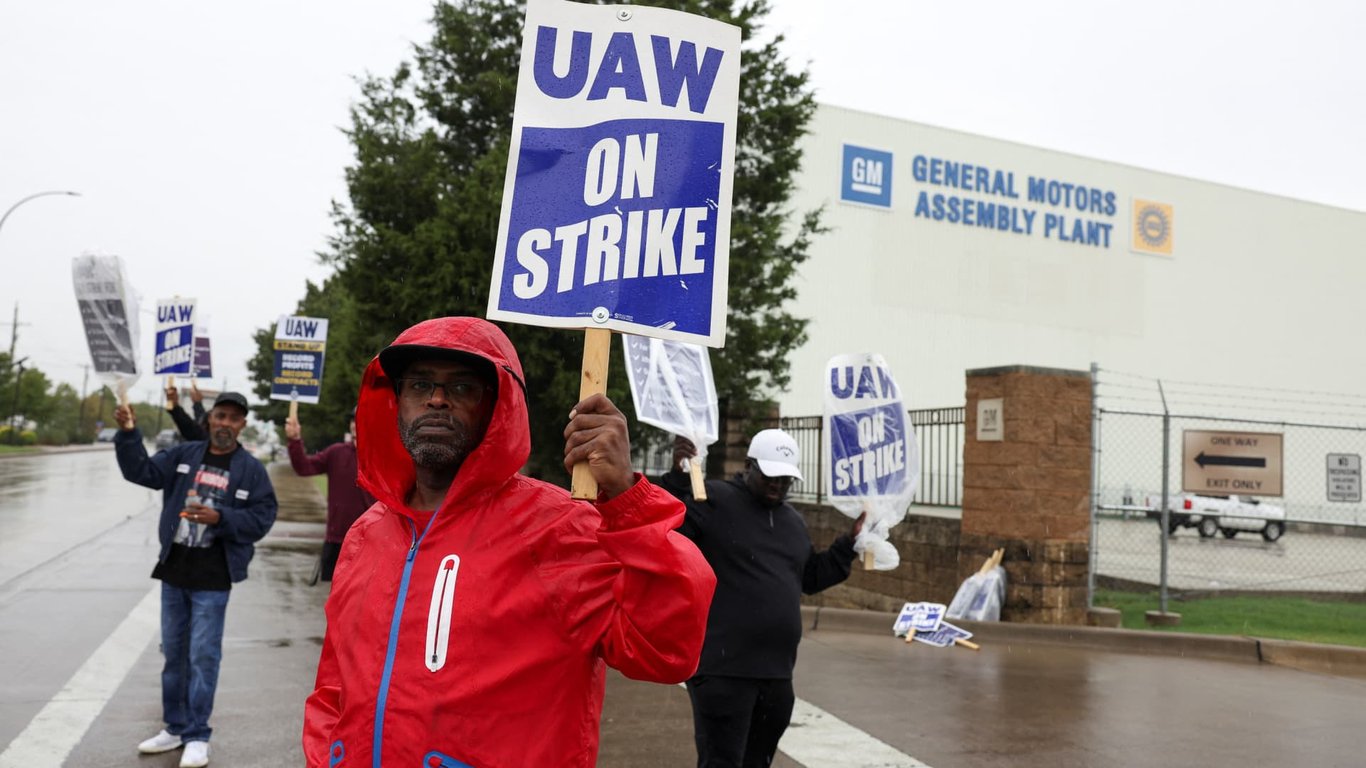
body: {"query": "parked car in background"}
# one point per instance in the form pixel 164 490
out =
pixel 106 435
pixel 1227 515
pixel 167 438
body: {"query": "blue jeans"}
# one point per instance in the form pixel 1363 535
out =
pixel 192 642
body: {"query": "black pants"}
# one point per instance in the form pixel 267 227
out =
pixel 737 721
pixel 330 552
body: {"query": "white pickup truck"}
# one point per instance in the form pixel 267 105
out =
pixel 1228 515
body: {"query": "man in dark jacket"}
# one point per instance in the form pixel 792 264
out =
pixel 346 501
pixel 764 560
pixel 217 501
pixel 190 428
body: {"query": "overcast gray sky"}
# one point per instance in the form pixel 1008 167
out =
pixel 205 138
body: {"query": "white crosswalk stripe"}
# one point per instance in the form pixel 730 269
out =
pixel 818 739
pixel 59 726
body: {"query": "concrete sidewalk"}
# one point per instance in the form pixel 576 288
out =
pixel 1337 660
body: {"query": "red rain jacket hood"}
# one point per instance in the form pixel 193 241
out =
pixel 385 468
pixel 477 636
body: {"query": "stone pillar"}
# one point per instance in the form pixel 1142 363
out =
pixel 1026 487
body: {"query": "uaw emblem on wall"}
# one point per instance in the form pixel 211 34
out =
pixel 1152 231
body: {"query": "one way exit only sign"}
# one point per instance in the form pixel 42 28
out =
pixel 1222 463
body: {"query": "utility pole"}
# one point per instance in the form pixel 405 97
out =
pixel 14 409
pixel 14 331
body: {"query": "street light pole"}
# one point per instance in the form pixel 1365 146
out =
pixel 18 379
pixel 33 196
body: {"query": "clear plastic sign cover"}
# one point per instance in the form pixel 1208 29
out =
pixel 873 461
pixel 109 311
pixel 673 389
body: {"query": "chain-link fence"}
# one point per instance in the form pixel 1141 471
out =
pixel 1263 488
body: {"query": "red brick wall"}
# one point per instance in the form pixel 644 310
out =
pixel 1030 492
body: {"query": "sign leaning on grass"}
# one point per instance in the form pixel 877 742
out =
pixel 300 344
pixel 616 204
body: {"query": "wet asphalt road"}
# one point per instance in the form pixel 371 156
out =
pixel 50 503
pixel 1007 705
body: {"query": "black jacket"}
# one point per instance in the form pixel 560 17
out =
pixel 190 428
pixel 764 560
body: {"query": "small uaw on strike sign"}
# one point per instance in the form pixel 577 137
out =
pixel 616 204
pixel 873 462
pixel 924 622
pixel 174 346
pixel 300 349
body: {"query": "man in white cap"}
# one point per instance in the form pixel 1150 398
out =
pixel 764 560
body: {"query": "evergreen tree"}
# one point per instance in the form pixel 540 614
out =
pixel 417 237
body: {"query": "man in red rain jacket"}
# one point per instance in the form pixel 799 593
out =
pixel 474 609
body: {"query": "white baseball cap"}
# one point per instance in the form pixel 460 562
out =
pixel 776 453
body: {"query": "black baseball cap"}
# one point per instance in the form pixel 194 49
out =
pixel 395 359
pixel 232 398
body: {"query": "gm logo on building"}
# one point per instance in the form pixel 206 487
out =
pixel 866 176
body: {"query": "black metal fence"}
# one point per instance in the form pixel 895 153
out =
pixel 938 433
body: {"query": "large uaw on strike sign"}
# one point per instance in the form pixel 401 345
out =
pixel 174 353
pixel 300 345
pixel 616 206
pixel 874 461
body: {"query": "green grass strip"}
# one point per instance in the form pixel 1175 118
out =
pixel 1281 618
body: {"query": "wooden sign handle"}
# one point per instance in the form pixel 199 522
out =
pixel 597 344
pixel 123 392
pixel 967 644
pixel 699 483
pixel 170 384
pixel 294 410
pixel 868 558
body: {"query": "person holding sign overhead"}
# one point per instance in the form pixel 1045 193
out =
pixel 217 502
pixel 191 428
pixel 346 501
pixel 764 560
pixel 473 608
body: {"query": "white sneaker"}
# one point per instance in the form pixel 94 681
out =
pixel 196 754
pixel 162 742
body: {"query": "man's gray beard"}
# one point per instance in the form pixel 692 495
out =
pixel 433 454
pixel 222 440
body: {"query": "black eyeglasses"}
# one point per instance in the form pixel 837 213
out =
pixel 465 392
